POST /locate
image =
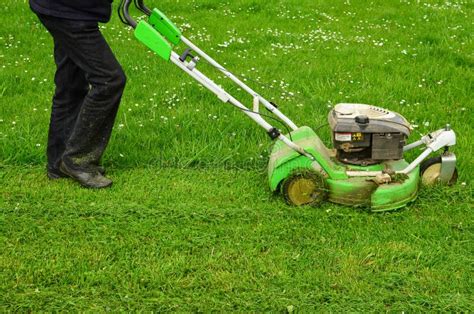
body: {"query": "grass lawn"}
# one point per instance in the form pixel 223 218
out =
pixel 190 223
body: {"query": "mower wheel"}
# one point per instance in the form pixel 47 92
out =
pixel 304 188
pixel 430 171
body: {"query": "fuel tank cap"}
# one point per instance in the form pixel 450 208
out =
pixel 362 119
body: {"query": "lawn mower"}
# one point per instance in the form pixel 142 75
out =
pixel 365 168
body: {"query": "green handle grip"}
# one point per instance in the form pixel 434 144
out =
pixel 164 26
pixel 151 38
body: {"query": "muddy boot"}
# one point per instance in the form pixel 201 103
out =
pixel 54 174
pixel 92 180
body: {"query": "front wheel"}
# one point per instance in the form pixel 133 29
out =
pixel 430 171
pixel 305 188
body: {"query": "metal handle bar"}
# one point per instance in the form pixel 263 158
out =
pixel 124 13
pixel 142 7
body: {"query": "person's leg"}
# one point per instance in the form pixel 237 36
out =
pixel 71 89
pixel 86 47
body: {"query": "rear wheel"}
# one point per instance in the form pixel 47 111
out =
pixel 430 170
pixel 305 188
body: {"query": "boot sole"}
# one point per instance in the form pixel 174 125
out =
pixel 65 171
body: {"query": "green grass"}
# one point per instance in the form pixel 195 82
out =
pixel 169 239
pixel 190 224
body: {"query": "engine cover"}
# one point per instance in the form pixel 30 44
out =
pixel 364 134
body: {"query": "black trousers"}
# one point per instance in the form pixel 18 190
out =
pixel 89 85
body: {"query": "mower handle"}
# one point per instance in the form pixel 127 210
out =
pixel 142 7
pixel 124 13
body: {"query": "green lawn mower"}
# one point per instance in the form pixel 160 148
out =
pixel 366 166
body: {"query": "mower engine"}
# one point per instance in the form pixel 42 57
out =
pixel 365 135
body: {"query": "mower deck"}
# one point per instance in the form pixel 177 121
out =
pixel 341 189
